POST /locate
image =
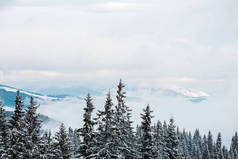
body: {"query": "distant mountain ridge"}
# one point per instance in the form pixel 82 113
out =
pixel 8 95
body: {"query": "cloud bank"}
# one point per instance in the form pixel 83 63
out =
pixel 149 44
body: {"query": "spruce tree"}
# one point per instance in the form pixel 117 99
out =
pixel 197 145
pixel 124 129
pixel 206 153
pixel 234 146
pixel 172 142
pixel 4 141
pixel 147 144
pixel 197 140
pixel 87 131
pixel 218 148
pixel 210 145
pixel 62 148
pixel 46 146
pixel 225 152
pixel 16 137
pixel 159 139
pixel 74 140
pixel 106 136
pixel 32 131
pixel 184 144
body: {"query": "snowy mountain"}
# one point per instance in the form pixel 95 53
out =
pixel 8 94
pixel 191 95
pixel 194 96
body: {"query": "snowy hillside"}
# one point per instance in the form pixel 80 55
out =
pixel 7 95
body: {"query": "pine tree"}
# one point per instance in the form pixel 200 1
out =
pixel 16 125
pixel 210 145
pixel 106 137
pixel 32 131
pixel 225 153
pixel 206 153
pixel 147 144
pixel 3 133
pixel 123 125
pixel 190 144
pixel 159 139
pixel 184 144
pixel 234 146
pixel 46 146
pixel 172 142
pixel 197 140
pixel 87 131
pixel 74 140
pixel 218 148
pixel 62 148
pixel 197 145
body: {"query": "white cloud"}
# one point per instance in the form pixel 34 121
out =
pixel 189 92
pixel 115 6
pixel 154 44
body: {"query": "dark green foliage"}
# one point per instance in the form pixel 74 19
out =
pixel 46 146
pixel 147 149
pixel 172 142
pixel 74 140
pixel 210 145
pixel 126 140
pixel 159 139
pixel 107 138
pixel 32 131
pixel 86 147
pixel 4 140
pixel 16 136
pixel 62 149
pixel 218 148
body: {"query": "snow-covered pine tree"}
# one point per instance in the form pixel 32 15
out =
pixel 225 153
pixel 180 146
pixel 234 154
pixel 165 128
pixel 210 145
pixel 190 143
pixel 206 153
pixel 3 152
pixel 197 140
pixel 147 149
pixel 62 148
pixel 71 138
pixel 46 146
pixel 196 144
pixel 86 149
pixel 138 132
pixel 16 126
pixel 32 131
pixel 74 140
pixel 234 146
pixel 196 153
pixel 172 142
pixel 107 138
pixel 184 145
pixel 159 139
pixel 124 129
pixel 165 134
pixel 218 148
pixel 3 133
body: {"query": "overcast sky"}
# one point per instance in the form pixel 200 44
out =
pixel 148 43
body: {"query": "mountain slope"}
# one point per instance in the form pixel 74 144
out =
pixel 8 95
